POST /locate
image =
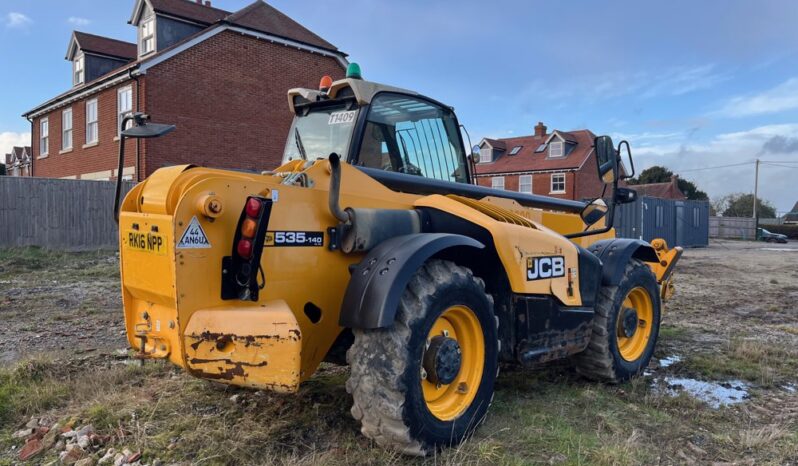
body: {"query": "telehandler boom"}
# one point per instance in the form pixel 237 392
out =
pixel 371 246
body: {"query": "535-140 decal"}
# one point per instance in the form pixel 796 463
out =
pixel 294 238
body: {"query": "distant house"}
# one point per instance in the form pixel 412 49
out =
pixel 18 161
pixel 558 164
pixel 792 216
pixel 667 190
pixel 221 77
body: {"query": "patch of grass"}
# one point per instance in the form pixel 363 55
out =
pixel 28 388
pixel 667 332
pixel 761 362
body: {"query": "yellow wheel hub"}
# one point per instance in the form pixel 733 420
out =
pixel 635 323
pixel 448 401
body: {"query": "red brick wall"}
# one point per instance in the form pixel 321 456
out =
pixel 541 184
pixel 588 184
pixel 227 97
pixel 80 160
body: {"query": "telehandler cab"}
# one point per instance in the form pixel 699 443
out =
pixel 372 246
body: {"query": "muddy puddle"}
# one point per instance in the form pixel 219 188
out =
pixel 714 394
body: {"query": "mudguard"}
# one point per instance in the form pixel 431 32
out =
pixel 379 280
pixel 616 253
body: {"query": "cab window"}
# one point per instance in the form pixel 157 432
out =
pixel 410 135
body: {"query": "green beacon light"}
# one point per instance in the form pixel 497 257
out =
pixel 353 71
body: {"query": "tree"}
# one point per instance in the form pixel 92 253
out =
pixel 659 174
pixel 742 205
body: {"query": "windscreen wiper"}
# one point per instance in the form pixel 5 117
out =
pixel 299 146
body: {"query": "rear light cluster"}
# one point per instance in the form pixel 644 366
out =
pixel 249 227
pixel 240 272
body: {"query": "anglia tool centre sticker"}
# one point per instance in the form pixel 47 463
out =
pixel 194 237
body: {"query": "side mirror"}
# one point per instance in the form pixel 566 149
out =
pixel 606 159
pixel 594 212
pixel 475 154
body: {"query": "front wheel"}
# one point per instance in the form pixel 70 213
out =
pixel 625 327
pixel 428 380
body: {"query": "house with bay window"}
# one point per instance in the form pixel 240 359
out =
pixel 221 77
pixel 557 163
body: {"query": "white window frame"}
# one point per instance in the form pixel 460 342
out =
pixel 66 131
pixel 560 149
pixel 525 180
pixel 44 136
pixel 557 179
pixel 497 182
pixel 79 70
pixel 147 39
pixel 120 112
pixel 92 125
pixel 485 155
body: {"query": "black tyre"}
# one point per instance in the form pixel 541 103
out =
pixel 428 380
pixel 625 328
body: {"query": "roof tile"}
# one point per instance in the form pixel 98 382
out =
pixel 105 46
pixel 527 160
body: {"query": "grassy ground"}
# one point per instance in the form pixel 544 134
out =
pixel 543 416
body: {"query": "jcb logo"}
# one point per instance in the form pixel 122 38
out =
pixel 538 268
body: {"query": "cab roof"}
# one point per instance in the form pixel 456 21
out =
pixel 363 91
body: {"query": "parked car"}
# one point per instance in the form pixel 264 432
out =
pixel 769 237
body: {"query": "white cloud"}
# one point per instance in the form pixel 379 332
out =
pixel 78 21
pixel 17 20
pixel 778 99
pixel 684 156
pixel 673 81
pixel 9 139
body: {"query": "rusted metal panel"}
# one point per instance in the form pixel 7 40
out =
pixel 253 347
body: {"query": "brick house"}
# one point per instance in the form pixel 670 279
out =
pixel 220 77
pixel 18 161
pixel 667 190
pixel 557 164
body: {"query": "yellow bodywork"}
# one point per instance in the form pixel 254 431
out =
pixel 172 295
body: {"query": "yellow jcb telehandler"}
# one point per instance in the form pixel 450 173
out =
pixel 371 246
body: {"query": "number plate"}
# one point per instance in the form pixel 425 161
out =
pixel 154 243
pixel 294 238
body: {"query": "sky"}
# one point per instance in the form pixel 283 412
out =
pixel 691 85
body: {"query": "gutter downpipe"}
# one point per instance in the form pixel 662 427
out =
pixel 32 158
pixel 135 77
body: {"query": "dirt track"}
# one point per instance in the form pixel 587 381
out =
pixel 733 326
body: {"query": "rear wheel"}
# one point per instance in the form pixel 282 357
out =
pixel 428 380
pixel 625 328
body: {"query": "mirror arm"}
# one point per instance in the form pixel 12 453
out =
pixel 608 222
pixel 121 161
pixel 631 161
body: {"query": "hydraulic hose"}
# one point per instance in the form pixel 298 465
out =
pixel 335 189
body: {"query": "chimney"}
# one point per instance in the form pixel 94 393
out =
pixel 198 2
pixel 540 130
pixel 207 2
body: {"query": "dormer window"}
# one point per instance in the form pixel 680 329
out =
pixel 486 155
pixel 556 149
pixel 79 74
pixel 147 36
pixel 515 150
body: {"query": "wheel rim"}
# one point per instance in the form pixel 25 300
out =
pixel 448 401
pixel 632 342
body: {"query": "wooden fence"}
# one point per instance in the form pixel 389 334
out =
pixel 732 228
pixel 58 214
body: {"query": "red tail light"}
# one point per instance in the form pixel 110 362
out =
pixel 244 248
pixel 253 207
